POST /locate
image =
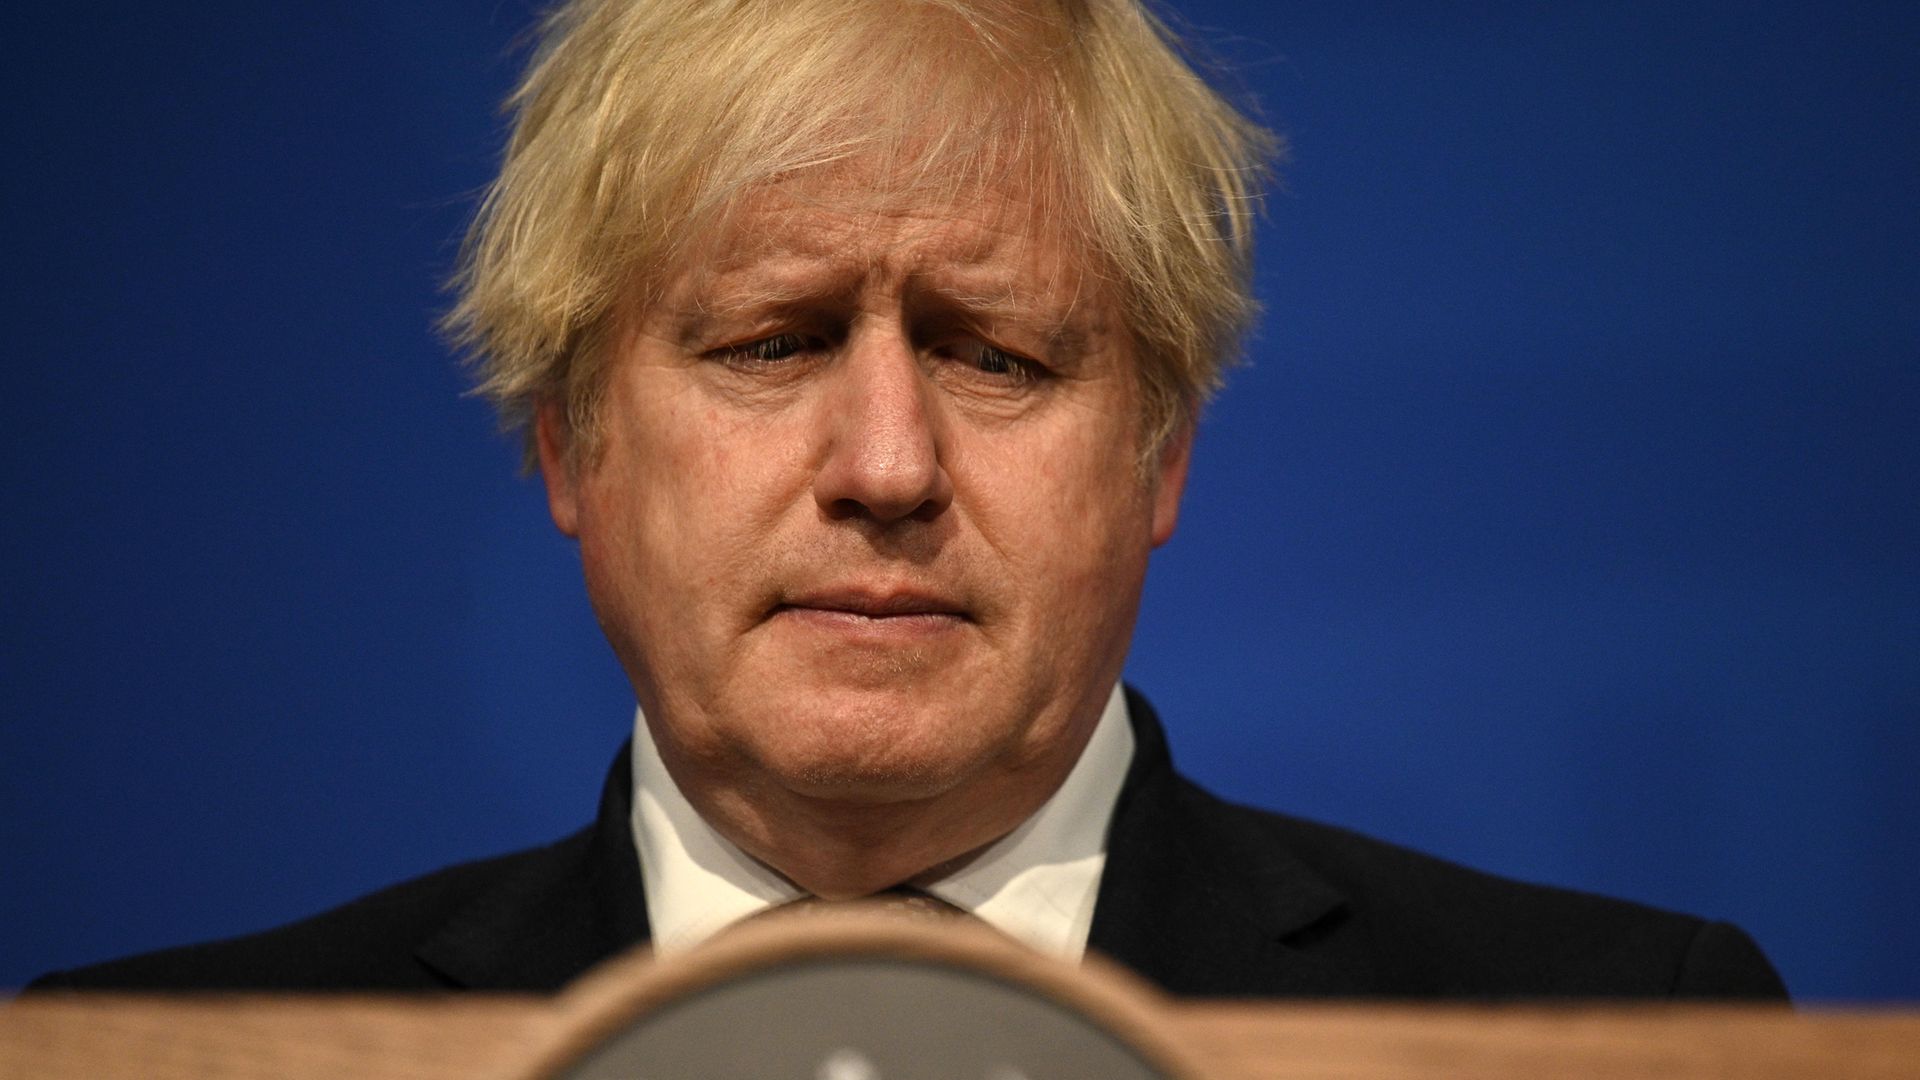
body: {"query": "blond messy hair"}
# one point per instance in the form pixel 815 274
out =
pixel 640 123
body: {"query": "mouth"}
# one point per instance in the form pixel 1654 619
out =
pixel 909 611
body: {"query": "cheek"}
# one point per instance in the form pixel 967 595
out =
pixel 690 498
pixel 635 512
pixel 1070 516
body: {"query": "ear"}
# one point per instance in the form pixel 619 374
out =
pixel 552 436
pixel 1170 480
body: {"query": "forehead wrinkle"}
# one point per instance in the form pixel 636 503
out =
pixel 789 245
pixel 761 286
pixel 834 213
pixel 769 273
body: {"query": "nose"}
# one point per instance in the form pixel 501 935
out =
pixel 884 455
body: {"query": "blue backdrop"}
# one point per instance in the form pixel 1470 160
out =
pixel 1564 522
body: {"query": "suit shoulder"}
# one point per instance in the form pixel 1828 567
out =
pixel 366 944
pixel 1444 929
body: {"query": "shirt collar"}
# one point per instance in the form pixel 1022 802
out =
pixel 1036 884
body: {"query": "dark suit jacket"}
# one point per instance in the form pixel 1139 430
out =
pixel 1200 896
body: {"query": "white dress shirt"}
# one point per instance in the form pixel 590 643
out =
pixel 1036 884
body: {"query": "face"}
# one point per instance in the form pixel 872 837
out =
pixel 867 523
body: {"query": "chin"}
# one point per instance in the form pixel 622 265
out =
pixel 871 752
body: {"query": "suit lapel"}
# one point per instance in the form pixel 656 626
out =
pixel 571 906
pixel 1198 898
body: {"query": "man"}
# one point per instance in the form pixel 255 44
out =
pixel 859 345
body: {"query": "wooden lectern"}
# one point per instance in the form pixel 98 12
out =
pixel 863 998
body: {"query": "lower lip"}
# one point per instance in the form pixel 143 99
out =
pixel 911 626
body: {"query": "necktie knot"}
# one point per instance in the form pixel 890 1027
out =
pixel 901 900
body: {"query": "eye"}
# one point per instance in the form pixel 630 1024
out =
pixel 769 350
pixel 999 363
pixel 994 362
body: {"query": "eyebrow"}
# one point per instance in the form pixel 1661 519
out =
pixel 1062 326
pixel 751 290
pixel 790 284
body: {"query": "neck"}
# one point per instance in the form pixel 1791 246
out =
pixel 845 849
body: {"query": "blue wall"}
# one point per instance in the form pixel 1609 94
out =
pixel 1564 523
